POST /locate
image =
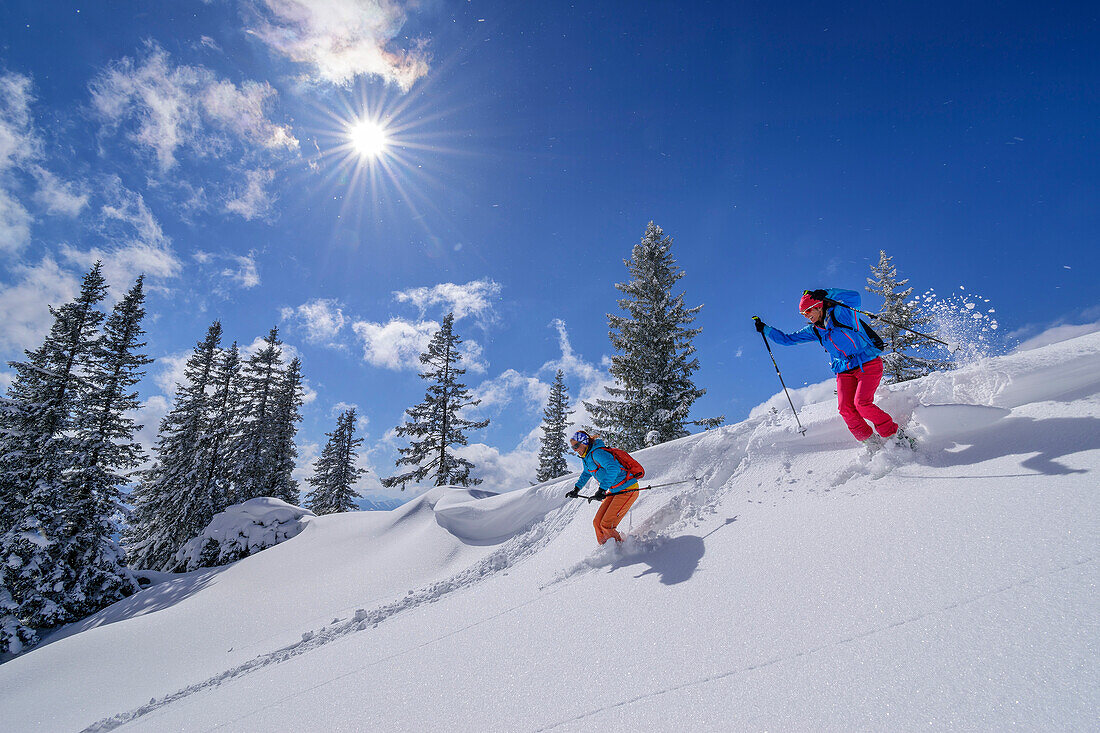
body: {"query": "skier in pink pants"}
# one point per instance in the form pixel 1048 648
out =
pixel 853 356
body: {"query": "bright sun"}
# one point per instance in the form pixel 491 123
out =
pixel 368 138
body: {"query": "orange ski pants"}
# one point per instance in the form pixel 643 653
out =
pixel 611 512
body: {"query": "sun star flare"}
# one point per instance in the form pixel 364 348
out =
pixel 368 138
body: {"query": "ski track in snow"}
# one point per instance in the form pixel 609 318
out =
pixel 512 552
pixel 885 628
pixel 681 509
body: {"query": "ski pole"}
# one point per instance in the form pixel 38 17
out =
pixel 789 400
pixel 884 320
pixel 640 488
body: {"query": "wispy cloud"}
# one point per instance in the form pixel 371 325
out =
pixel 18 141
pixel 475 298
pixel 59 197
pixel 22 175
pixel 168 109
pixel 253 200
pixel 320 319
pixel 15 224
pixel 19 145
pixel 342 39
pixel 229 270
pixel 175 112
pixel 138 244
pixel 244 271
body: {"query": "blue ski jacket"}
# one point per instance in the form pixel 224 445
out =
pixel 609 473
pixel 842 336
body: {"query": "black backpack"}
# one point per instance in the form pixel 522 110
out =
pixel 875 339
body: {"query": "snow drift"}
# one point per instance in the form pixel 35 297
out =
pixel 242 530
pixel 794 582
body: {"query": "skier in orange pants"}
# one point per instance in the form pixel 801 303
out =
pixel 611 512
pixel 618 488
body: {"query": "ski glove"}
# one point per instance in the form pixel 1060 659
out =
pixel 574 493
pixel 819 294
pixel 598 495
pixel 759 324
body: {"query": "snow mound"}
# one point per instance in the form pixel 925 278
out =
pixel 483 518
pixel 242 530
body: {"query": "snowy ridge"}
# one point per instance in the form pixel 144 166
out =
pixel 940 585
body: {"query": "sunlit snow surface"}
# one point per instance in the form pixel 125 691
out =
pixel 791 583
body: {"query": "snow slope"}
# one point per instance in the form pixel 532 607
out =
pixel 795 583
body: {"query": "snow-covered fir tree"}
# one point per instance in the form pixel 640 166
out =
pixel 554 422
pixel 106 453
pixel 902 360
pixel 434 426
pixel 653 391
pixel 37 449
pixel 336 472
pixel 220 439
pixel 174 501
pixel 282 452
pixel 261 378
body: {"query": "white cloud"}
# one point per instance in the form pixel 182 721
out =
pixel 18 142
pixel 21 149
pixel 593 380
pixel 287 352
pixel 341 407
pixel 395 345
pixel 253 200
pixel 244 273
pixel 24 303
pixel 584 380
pixel 398 344
pixel 149 416
pixel 58 197
pixel 170 371
pixel 320 319
pixel 501 471
pixel 475 299
pixel 241 270
pixel 138 244
pixel 308 453
pixel 343 39
pixel 497 393
pixel 15 224
pixel 185 108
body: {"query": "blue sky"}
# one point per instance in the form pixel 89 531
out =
pixel 782 145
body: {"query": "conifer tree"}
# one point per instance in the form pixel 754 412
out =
pixel 654 391
pixel 899 361
pixel 105 454
pixel 434 426
pixel 220 438
pixel 282 452
pixel 37 449
pixel 172 504
pixel 260 381
pixel 334 478
pixel 555 419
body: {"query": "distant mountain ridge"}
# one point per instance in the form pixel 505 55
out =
pixel 379 504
